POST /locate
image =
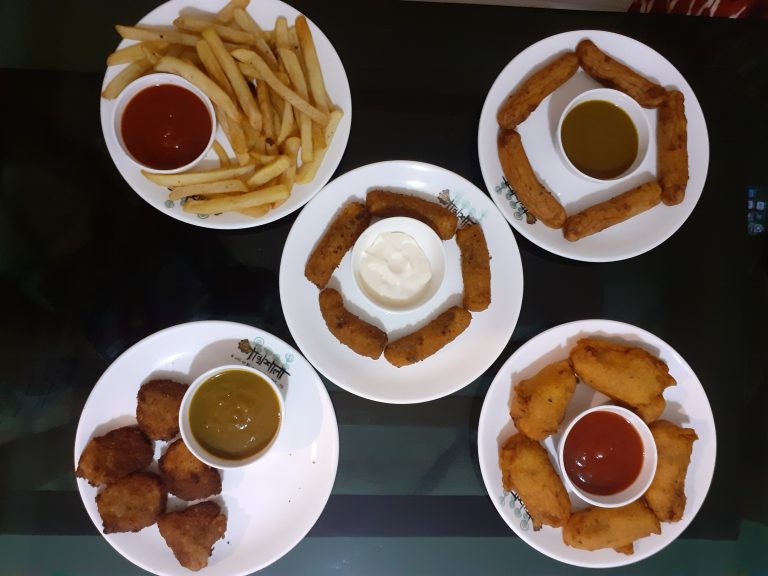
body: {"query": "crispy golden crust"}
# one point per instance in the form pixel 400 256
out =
pixel 539 403
pixel 616 75
pixel 157 408
pixel 475 267
pixel 365 339
pixel 421 344
pixel 526 97
pixel 672 136
pixel 186 476
pixel 131 503
pixel 114 455
pixel 340 236
pixel 595 528
pixel 191 533
pixel 384 204
pixel 518 172
pixel 613 211
pixel 666 495
pixel 527 470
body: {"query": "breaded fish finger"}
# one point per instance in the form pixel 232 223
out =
pixel 595 528
pixel 527 470
pixel 131 503
pixel 666 494
pixel 157 408
pixel 427 340
pixel 529 94
pixel 518 172
pixel 672 134
pixel 613 211
pixel 475 267
pixel 186 476
pixel 365 339
pixel 192 532
pixel 340 236
pixel 114 455
pixel 384 204
pixel 614 74
pixel 539 403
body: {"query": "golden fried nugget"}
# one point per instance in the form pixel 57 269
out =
pixel 595 528
pixel 475 267
pixel 517 170
pixel 527 470
pixel 526 97
pixel 186 476
pixel 192 532
pixel 114 455
pixel 613 211
pixel 340 236
pixel 539 403
pixel 427 340
pixel 616 75
pixel 666 495
pixel 627 374
pixel 384 204
pixel 672 135
pixel 131 503
pixel 157 408
pixel 365 339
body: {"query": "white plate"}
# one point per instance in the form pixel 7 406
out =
pixel 630 238
pixel 264 12
pixel 271 504
pixel 687 405
pixel 458 363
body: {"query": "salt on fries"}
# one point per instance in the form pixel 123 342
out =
pixel 270 99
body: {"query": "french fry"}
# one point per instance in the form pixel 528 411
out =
pixel 153 54
pixel 222 154
pixel 259 211
pixel 208 188
pixel 262 159
pixel 281 34
pixel 188 178
pixel 255 141
pixel 308 170
pixel 293 67
pixel 312 63
pixel 246 22
pixel 269 171
pixel 294 39
pixel 134 52
pixel 236 135
pixel 147 34
pixel 287 124
pixel 196 24
pixel 212 66
pixel 225 14
pixel 237 203
pixel 124 77
pixel 333 122
pixel 265 106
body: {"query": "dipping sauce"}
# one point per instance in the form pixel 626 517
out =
pixel 166 127
pixel 234 414
pixel 394 269
pixel 603 453
pixel 599 139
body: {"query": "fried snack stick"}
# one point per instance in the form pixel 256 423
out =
pixel 518 172
pixel 524 100
pixel 527 470
pixel 421 344
pixel 340 236
pixel 666 494
pixel 361 337
pixel 613 211
pixel 538 406
pixel 131 503
pixel 595 528
pixel 672 134
pixel 384 204
pixel 613 74
pixel 192 532
pixel 475 267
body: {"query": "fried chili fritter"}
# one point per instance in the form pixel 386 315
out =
pixel 186 476
pixel 157 408
pixel 191 533
pixel 116 454
pixel 131 503
pixel 539 404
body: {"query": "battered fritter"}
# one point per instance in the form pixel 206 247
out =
pixel 384 204
pixel 365 339
pixel 421 344
pixel 114 455
pixel 539 403
pixel 475 267
pixel 672 137
pixel 191 533
pixel 131 503
pixel 186 476
pixel 157 408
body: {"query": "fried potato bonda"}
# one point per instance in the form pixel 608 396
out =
pixel 672 137
pixel 131 503
pixel 384 204
pixel 192 532
pixel 595 528
pixel 157 408
pixel 539 403
pixel 362 337
pixel 475 267
pixel 186 476
pixel 114 455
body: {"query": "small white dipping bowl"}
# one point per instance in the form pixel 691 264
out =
pixel 159 79
pixel 635 112
pixel 427 240
pixel 647 469
pixel 193 444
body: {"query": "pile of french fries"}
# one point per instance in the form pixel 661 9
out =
pixel 269 94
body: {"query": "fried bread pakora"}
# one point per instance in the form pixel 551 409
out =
pixel 186 476
pixel 362 337
pixel 427 340
pixel 157 408
pixel 192 532
pixel 672 137
pixel 539 403
pixel 132 502
pixel 666 494
pixel 114 455
pixel 384 204
pixel 527 470
pixel 475 267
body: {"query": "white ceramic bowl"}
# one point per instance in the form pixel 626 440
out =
pixel 189 438
pixel 143 83
pixel 635 113
pixel 647 469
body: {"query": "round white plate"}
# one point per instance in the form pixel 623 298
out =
pixel 458 363
pixel 271 504
pixel 687 405
pixel 264 12
pixel 630 238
